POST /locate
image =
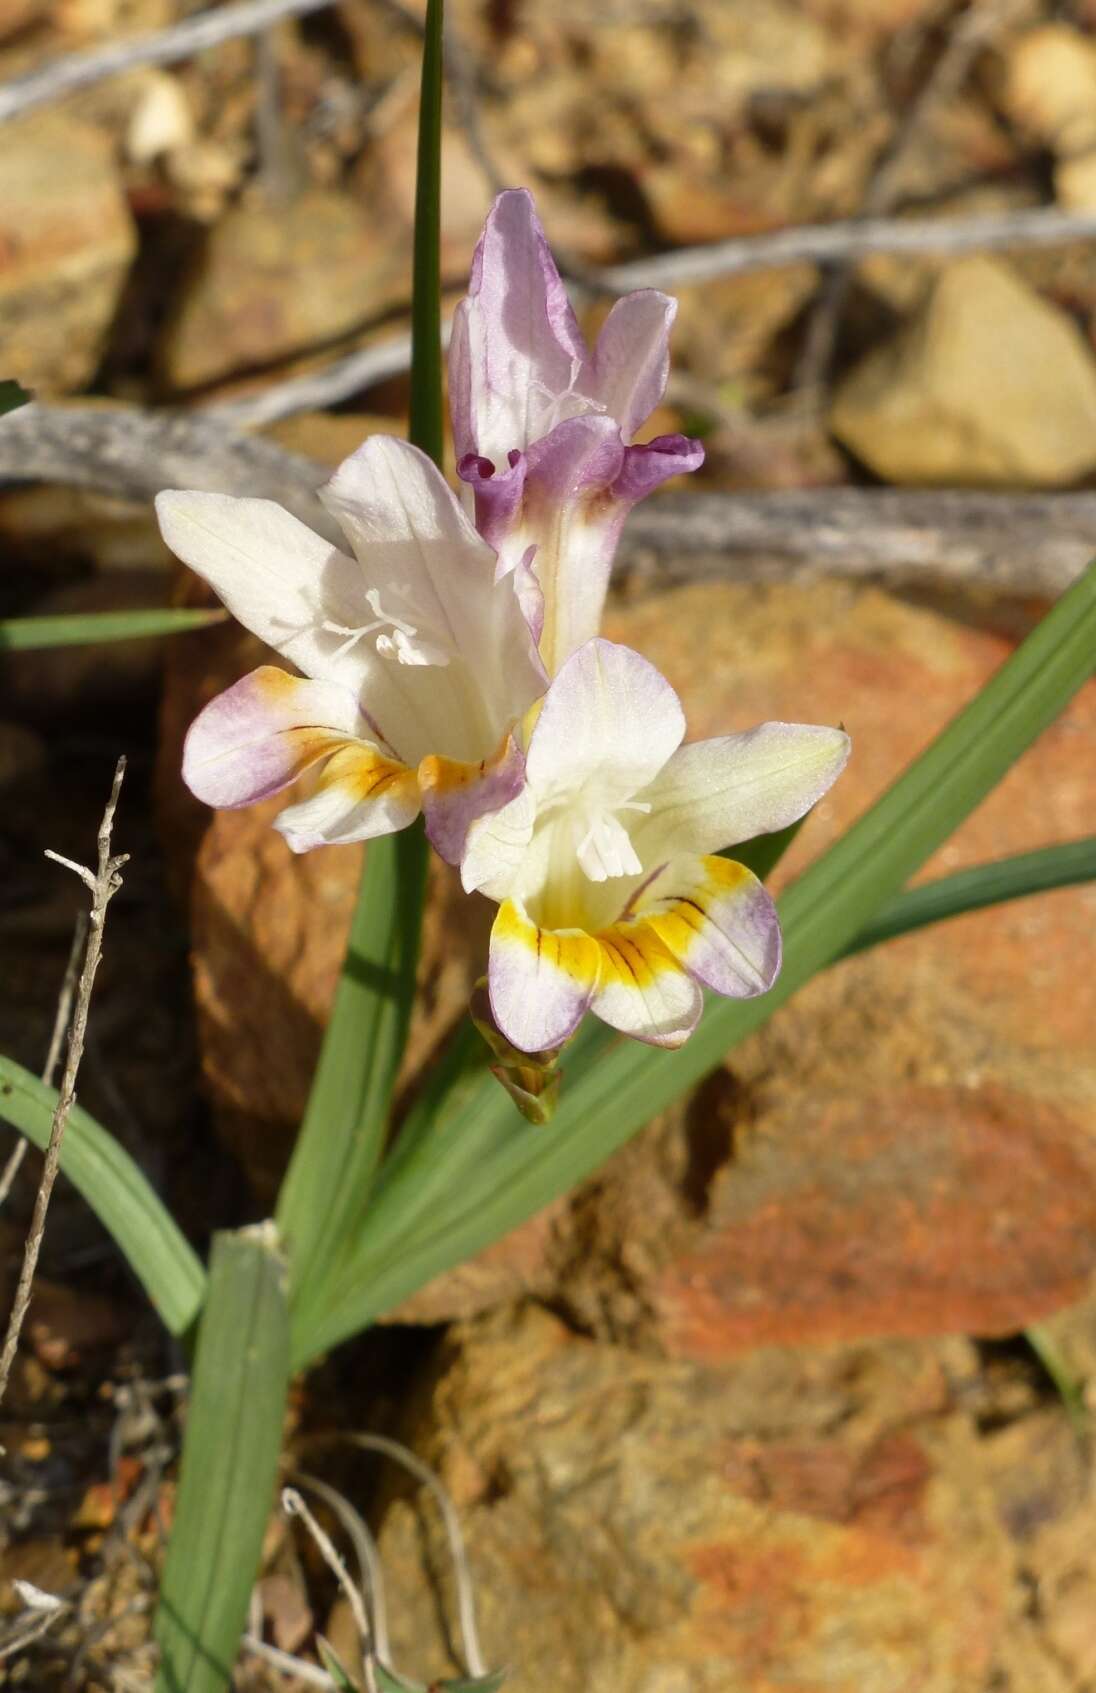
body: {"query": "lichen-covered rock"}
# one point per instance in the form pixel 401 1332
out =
pixel 986 384
pixel 66 243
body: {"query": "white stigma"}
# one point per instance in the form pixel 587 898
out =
pixel 407 643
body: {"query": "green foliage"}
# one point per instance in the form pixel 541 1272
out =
pixel 12 396
pixel 117 1192
pixel 334 1665
pixel 20 634
pixel 230 1463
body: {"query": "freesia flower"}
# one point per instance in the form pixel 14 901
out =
pixel 416 662
pixel 610 898
pixel 543 427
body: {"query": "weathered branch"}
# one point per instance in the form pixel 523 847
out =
pixel 103 883
pixel 161 47
pixel 1018 543
pixel 123 451
pixel 1023 543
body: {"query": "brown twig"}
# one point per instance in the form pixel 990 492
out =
pixel 103 883
pixel 56 1040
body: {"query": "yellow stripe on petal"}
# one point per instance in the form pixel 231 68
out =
pixel 456 794
pixel 541 980
pixel 643 990
pixel 715 918
pixel 361 794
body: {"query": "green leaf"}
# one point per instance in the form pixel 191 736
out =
pixel 427 428
pixel 335 1158
pixel 230 1463
pixel 20 634
pixel 334 1666
pixel 480 1684
pixel 474 1170
pixel 12 396
pixel 764 852
pixel 117 1192
pixel 1069 1389
pixel 1028 873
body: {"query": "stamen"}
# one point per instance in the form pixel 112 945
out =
pixel 405 645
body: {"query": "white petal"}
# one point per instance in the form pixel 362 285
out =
pixel 713 794
pixel 495 847
pixel 424 562
pixel 642 990
pixel 540 980
pixel 715 918
pixel 360 795
pixel 273 573
pixel 632 358
pixel 608 724
pixel 260 734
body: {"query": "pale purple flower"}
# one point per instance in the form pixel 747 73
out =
pixel 543 428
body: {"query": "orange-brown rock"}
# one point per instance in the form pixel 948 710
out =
pixel 66 242
pixel 801 1520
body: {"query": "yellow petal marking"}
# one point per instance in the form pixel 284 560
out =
pixel 571 951
pixel 677 919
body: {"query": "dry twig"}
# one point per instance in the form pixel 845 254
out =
pixel 53 1056
pixel 162 47
pixel 103 883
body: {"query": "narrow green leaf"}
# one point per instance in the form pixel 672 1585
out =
pixel 1059 866
pixel 334 1666
pixel 479 1684
pixel 325 1190
pixel 12 396
pixel 117 1192
pixel 477 1171
pixel 229 1466
pixel 426 415
pixel 20 634
pixel 1069 1389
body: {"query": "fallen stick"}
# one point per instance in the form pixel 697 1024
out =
pixel 103 883
pixel 1021 543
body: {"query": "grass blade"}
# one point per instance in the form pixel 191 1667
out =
pixel 1060 866
pixel 84 629
pixel 328 1182
pixel 230 1463
pixel 337 1151
pixel 481 1170
pixel 117 1192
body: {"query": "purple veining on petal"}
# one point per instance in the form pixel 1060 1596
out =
pixel 452 798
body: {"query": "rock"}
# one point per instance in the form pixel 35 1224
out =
pixel 987 384
pixel 275 280
pixel 1048 87
pixel 963 1048
pixel 66 242
pixel 161 120
pixel 800 1521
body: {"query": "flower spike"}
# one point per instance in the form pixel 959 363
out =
pixel 543 427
